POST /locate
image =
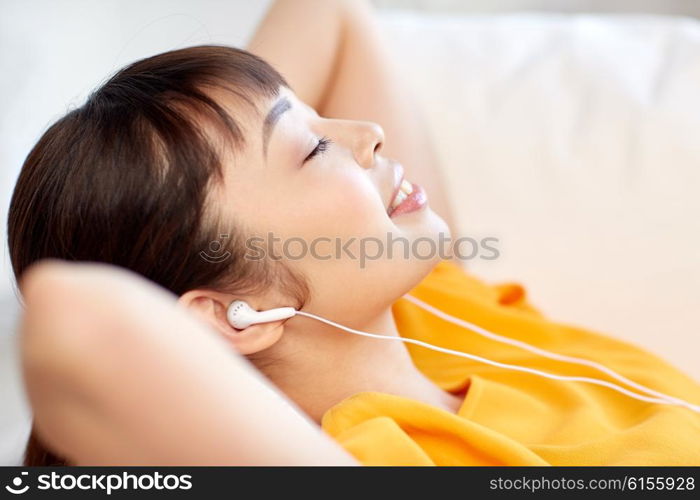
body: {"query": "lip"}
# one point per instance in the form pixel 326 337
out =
pixel 413 202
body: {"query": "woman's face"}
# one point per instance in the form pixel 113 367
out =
pixel 318 195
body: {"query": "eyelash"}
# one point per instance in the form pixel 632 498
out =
pixel 322 146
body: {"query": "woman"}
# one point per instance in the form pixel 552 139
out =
pixel 174 167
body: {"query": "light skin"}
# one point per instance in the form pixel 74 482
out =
pixel 344 192
pixel 340 64
pixel 340 74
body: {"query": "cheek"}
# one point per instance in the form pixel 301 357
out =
pixel 321 204
pixel 343 204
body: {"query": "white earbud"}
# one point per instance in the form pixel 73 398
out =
pixel 240 315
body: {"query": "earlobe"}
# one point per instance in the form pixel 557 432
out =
pixel 256 338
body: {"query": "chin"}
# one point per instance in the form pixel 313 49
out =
pixel 425 224
pixel 436 229
pixel 439 224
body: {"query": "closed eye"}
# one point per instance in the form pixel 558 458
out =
pixel 321 146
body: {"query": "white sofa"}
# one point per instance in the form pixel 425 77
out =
pixel 571 138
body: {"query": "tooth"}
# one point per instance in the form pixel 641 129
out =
pixel 406 187
pixel 400 197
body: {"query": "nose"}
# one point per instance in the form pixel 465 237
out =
pixel 368 139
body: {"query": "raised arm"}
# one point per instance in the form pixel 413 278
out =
pixel 333 54
pixel 118 374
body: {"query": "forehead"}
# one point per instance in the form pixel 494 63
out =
pixel 233 124
pixel 253 114
pixel 260 117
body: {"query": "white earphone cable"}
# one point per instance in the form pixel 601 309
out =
pixel 664 400
pixel 536 350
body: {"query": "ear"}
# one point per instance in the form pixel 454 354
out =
pixel 211 307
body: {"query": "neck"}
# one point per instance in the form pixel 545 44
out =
pixel 317 366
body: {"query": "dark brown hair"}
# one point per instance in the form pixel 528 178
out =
pixel 124 180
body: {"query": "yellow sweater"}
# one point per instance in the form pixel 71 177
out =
pixel 515 418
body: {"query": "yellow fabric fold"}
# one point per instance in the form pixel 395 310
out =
pixel 515 418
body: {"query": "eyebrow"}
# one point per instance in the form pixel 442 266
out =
pixel 271 119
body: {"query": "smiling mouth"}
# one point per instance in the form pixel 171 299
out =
pixel 407 197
